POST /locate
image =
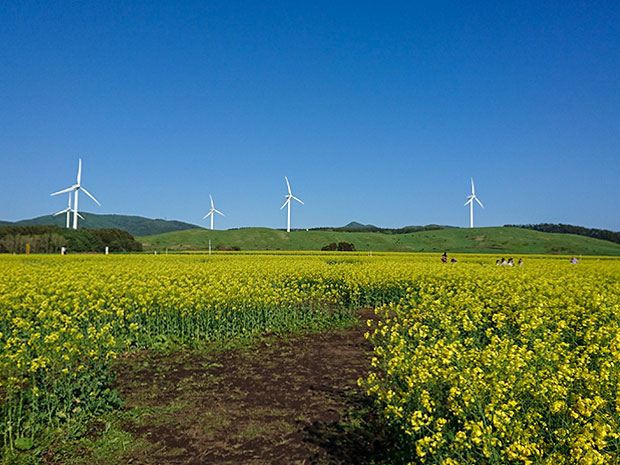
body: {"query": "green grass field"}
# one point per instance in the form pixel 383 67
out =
pixel 497 240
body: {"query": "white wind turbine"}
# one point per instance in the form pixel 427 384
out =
pixel 68 212
pixel 213 210
pixel 76 188
pixel 470 202
pixel 289 196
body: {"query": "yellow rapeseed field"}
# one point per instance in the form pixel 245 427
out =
pixel 504 365
pixel 473 363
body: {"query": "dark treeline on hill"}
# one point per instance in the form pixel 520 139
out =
pixel 603 234
pixel 339 247
pixel 49 239
pixel 358 227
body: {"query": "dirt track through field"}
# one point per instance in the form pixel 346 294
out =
pixel 280 402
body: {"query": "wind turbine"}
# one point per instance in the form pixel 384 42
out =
pixel 289 196
pixel 76 188
pixel 68 212
pixel 213 210
pixel 470 202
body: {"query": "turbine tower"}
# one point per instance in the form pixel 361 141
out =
pixel 470 202
pixel 213 210
pixel 68 211
pixel 76 188
pixel 289 196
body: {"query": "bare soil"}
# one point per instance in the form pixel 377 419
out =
pixel 292 401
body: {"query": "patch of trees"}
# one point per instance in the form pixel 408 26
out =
pixel 339 247
pixel 603 234
pixel 50 239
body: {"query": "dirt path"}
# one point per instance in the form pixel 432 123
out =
pixel 280 402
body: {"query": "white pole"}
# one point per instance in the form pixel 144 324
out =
pixel 471 213
pixel 69 212
pixel 288 216
pixel 212 215
pixel 107 250
pixel 209 246
pixel 75 212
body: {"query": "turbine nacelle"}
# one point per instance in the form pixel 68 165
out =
pixel 211 213
pixel 68 210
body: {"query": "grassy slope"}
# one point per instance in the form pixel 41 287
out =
pixel 479 240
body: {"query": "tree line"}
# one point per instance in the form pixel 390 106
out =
pixel 370 228
pixel 603 234
pixel 50 239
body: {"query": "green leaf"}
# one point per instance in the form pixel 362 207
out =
pixel 24 443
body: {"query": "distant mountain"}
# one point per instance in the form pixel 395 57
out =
pixel 360 226
pixel 134 225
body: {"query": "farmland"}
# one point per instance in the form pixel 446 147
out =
pixel 472 363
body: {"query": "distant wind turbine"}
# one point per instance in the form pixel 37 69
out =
pixel 289 196
pixel 76 188
pixel 68 212
pixel 470 202
pixel 213 210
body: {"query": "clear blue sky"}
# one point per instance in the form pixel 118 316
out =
pixel 377 112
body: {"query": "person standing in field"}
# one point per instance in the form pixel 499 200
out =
pixel 444 258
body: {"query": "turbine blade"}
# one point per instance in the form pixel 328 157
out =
pixel 79 176
pixel 288 185
pixel 211 200
pixel 89 194
pixel 61 212
pixel 207 215
pixel 468 202
pixel 473 191
pixel 68 189
pixel 298 200
pixel 284 205
pixel 79 215
pixel 217 211
pixel 479 202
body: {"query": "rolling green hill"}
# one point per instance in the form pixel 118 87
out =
pixel 134 225
pixel 498 240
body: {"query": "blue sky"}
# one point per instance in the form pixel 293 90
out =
pixel 378 112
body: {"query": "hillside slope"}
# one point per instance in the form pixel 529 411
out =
pixel 499 240
pixel 134 225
